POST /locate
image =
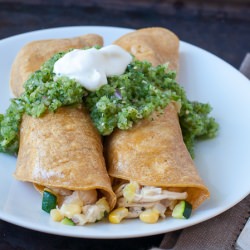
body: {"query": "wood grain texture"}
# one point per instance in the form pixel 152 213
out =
pixel 212 25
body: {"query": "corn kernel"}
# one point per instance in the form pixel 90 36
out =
pixel 103 204
pixel 129 191
pixel 56 215
pixel 69 210
pixel 149 216
pixel 118 214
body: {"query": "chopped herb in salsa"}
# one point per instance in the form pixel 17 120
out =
pixel 119 104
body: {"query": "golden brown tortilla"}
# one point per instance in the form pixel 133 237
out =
pixel 148 44
pixel 153 152
pixel 61 149
pixel 35 53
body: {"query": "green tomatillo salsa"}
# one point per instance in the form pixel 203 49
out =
pixel 120 103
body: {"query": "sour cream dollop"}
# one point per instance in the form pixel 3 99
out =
pixel 91 67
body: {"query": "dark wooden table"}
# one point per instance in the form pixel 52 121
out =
pixel 221 27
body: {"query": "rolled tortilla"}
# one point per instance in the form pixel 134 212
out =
pixel 152 152
pixel 155 45
pixel 61 150
pixel 34 54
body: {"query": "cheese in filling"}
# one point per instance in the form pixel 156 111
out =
pixel 149 203
pixel 81 207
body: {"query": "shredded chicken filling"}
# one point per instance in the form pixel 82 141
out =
pixel 81 207
pixel 137 198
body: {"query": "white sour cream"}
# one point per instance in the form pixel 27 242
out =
pixel 91 67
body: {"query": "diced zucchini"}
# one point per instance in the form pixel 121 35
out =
pixel 49 201
pixel 182 210
pixel 68 222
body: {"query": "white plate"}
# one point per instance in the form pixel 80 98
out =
pixel 223 163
